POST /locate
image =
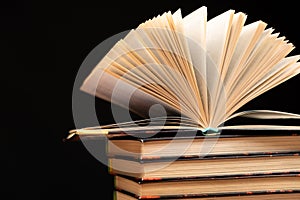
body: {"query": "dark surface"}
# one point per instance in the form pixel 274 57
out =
pixel 43 46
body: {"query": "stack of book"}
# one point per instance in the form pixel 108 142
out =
pixel 172 165
pixel 201 72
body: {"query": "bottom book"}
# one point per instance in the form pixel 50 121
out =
pixel 274 195
pixel 209 186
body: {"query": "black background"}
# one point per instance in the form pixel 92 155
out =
pixel 43 46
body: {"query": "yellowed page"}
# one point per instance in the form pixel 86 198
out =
pixel 112 89
pixel 265 57
pixel 217 36
pixel 195 32
pixel 249 36
pixel 220 97
pixel 235 31
pixel 218 30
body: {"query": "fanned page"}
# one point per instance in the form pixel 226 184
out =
pixel 154 60
pixel 202 71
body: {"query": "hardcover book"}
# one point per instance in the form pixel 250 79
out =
pixel 208 166
pixel 208 186
pixel 267 195
pixel 174 143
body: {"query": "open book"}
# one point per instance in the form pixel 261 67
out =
pixel 200 71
